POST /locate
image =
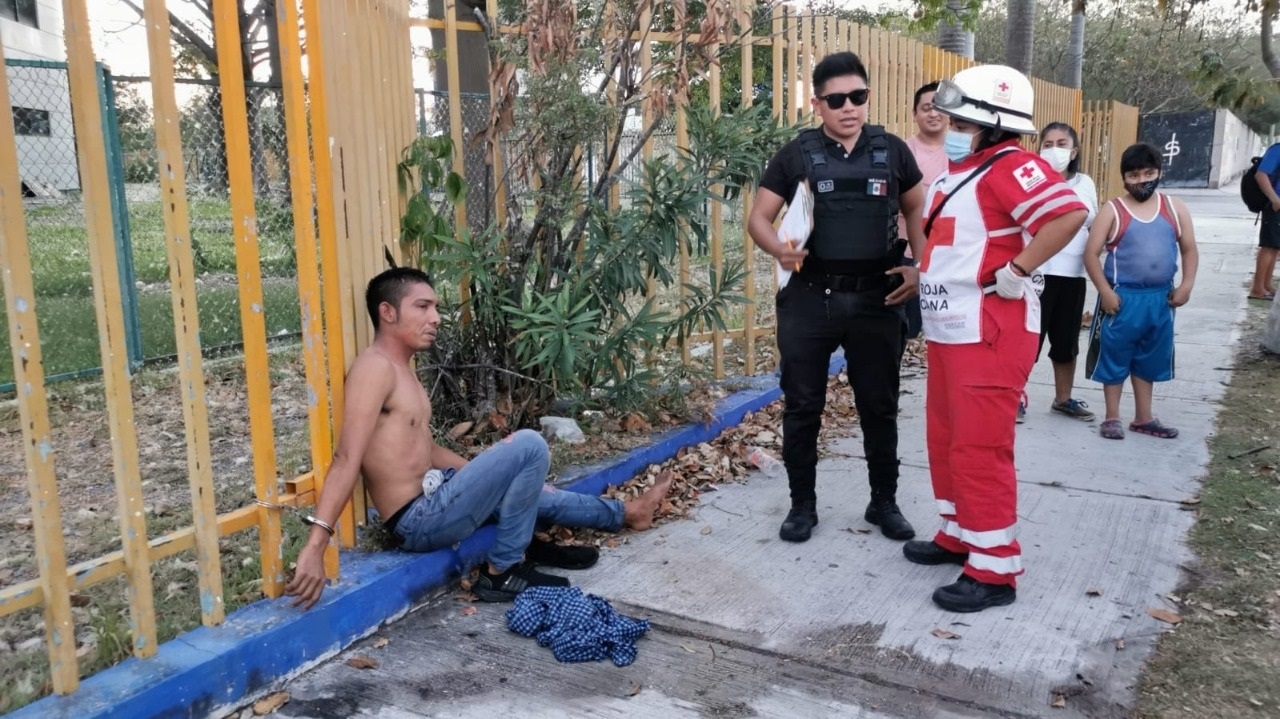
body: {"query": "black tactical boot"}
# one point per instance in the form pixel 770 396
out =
pixel 800 522
pixel 931 553
pixel 968 595
pixel 885 513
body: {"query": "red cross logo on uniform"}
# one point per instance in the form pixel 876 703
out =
pixel 1027 171
pixel 1004 87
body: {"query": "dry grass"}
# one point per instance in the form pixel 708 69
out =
pixel 1223 660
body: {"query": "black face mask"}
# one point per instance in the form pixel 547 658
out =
pixel 1143 192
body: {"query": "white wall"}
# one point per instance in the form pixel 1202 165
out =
pixel 49 159
pixel 22 42
pixel 1234 144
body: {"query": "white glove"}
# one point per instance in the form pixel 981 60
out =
pixel 1008 284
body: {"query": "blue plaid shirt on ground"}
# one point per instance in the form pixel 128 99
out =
pixel 578 627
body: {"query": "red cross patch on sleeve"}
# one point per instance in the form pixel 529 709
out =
pixel 1030 176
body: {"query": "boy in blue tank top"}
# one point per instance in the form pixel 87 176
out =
pixel 1143 234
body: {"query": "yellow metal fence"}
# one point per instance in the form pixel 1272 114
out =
pixel 348 109
pixel 350 151
pixel 897 66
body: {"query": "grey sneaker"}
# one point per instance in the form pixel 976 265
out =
pixel 1073 408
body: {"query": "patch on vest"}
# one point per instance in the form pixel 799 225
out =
pixel 877 188
pixel 1030 176
pixel 826 185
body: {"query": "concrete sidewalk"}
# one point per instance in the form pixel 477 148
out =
pixel 842 626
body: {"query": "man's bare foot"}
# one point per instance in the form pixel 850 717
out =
pixel 637 514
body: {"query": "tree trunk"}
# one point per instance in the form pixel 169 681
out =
pixel 1019 36
pixel 951 33
pixel 1073 75
pixel 473 84
pixel 1269 8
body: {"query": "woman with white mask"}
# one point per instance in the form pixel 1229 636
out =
pixel 1065 286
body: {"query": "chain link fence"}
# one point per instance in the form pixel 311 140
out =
pixel 55 217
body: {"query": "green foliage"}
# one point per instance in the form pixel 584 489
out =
pixel 555 312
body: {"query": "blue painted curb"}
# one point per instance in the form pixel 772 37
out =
pixel 213 668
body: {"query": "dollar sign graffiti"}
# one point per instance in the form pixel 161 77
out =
pixel 1171 149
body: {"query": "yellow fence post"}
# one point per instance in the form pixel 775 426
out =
pixel 33 408
pixel 327 225
pixel 91 154
pixel 717 220
pixel 304 232
pixel 195 412
pixel 244 228
pixel 748 247
pixel 455 132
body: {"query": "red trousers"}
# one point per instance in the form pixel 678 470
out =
pixel 971 407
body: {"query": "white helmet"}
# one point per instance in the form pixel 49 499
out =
pixel 989 95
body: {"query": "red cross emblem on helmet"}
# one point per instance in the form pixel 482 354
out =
pixel 1003 93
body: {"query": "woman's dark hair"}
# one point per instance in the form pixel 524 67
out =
pixel 837 64
pixel 1142 156
pixel 1074 166
pixel 391 287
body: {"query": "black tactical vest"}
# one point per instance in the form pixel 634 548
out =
pixel 855 207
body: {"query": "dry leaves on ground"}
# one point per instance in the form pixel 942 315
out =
pixel 1165 615
pixel 467 611
pixel 1059 702
pixel 944 634
pixel 382 642
pixel 270 703
pixel 360 661
pixel 698 469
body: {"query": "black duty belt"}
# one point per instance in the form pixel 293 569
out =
pixel 843 283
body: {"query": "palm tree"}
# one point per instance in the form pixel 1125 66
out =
pixel 1020 35
pixel 952 35
pixel 1073 74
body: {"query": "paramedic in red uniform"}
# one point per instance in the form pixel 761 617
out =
pixel 991 220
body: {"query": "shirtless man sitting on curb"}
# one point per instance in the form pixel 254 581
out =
pixel 433 498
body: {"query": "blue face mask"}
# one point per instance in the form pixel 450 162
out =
pixel 958 145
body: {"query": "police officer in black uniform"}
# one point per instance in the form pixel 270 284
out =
pixel 851 286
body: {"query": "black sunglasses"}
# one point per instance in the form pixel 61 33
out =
pixel 835 100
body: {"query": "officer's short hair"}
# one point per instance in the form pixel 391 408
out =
pixel 927 87
pixel 1141 156
pixel 838 64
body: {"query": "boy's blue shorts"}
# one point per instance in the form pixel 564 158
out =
pixel 1137 340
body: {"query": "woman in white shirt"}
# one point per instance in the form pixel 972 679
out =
pixel 1062 302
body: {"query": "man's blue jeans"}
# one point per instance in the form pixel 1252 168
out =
pixel 506 482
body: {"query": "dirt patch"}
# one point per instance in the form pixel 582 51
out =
pixel 1223 656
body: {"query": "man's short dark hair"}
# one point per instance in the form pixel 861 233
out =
pixel 1074 166
pixel 391 287
pixel 927 87
pixel 838 64
pixel 1142 156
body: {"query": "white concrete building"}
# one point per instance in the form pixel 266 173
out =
pixel 31 31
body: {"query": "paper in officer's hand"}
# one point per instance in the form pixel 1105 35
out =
pixel 796 225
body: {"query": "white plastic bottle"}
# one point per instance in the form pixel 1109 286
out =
pixel 765 462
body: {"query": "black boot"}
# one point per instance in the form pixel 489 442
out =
pixel 800 522
pixel 931 553
pixel 885 513
pixel 969 595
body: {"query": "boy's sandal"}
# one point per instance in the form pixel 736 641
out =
pixel 1268 296
pixel 1154 429
pixel 1111 429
